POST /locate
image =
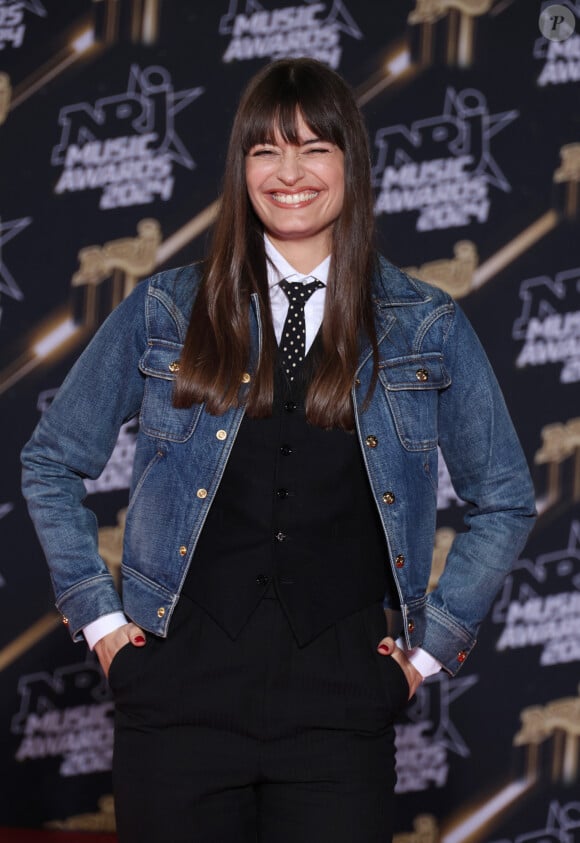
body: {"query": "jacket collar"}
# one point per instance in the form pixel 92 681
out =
pixel 391 287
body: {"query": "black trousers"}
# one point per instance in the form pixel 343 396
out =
pixel 257 739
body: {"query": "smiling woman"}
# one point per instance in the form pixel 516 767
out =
pixel 297 191
pixel 292 393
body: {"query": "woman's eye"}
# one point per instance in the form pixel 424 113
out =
pixel 317 149
pixel 257 153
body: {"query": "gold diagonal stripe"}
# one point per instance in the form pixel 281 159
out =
pixel 26 641
pixel 516 247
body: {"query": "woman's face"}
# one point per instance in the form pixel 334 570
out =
pixel 297 191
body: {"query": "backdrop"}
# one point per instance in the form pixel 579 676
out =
pixel 115 116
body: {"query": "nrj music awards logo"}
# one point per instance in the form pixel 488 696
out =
pixel 442 167
pixel 562 825
pixel 429 736
pixel 311 29
pixel 125 145
pixel 540 604
pixel 549 324
pixel 559 56
pixel 66 715
pixel 12 20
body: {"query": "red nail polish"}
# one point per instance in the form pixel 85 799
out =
pixel 383 648
pixel 139 639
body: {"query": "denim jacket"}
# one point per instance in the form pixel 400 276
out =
pixel 435 388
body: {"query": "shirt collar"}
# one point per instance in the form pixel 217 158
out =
pixel 279 268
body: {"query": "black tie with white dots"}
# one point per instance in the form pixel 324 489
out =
pixel 293 340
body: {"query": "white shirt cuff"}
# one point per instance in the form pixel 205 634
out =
pixel 96 630
pixel 424 662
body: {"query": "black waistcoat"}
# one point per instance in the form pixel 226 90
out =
pixel 294 513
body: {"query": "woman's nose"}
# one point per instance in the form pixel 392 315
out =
pixel 290 169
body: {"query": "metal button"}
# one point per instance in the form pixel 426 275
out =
pixel 461 656
pixel 261 579
pixel 280 536
pixel 357 382
pixel 411 625
pixel 422 375
pixel 400 560
pixel 161 612
pixel 281 493
pixel 372 441
pixel 246 377
pixel 182 550
pixel 221 435
pixel 290 406
pixel 174 366
pixel 65 620
pixel 388 497
pixel 285 450
pixel 202 493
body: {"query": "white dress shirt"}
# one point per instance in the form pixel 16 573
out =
pixel 278 269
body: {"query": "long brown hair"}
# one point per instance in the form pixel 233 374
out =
pixel 217 345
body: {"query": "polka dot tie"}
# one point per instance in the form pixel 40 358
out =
pixel 293 340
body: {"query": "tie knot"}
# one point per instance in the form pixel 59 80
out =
pixel 299 293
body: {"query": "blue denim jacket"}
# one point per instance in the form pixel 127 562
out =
pixel 435 388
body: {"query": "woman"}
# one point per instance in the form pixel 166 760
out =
pixel 292 392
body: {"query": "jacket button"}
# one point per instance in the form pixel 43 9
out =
pixel 282 493
pixel 221 435
pixel 388 497
pixel 461 656
pixel 182 550
pixel 280 536
pixel 411 625
pixel 65 620
pixel 246 377
pixel 400 560
pixel 202 493
pixel 174 366
pixel 261 579
pixel 357 381
pixel 372 441
pixel 422 375
pixel 161 612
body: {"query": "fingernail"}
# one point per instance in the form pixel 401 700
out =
pixel 384 649
pixel 139 639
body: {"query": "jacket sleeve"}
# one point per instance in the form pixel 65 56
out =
pixel 489 472
pixel 74 440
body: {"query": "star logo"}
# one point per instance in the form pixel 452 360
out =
pixel 464 128
pixel 9 230
pixel 148 107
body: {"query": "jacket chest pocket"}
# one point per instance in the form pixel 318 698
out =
pixel 412 386
pixel 158 417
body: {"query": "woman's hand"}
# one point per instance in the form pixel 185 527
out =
pixel 387 647
pixel 109 645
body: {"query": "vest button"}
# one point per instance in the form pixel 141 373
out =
pixel 290 406
pixel 400 560
pixel 280 536
pixel 261 579
pixel 372 441
pixel 285 450
pixel 281 493
pixel 388 497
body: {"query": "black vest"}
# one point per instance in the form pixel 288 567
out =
pixel 294 512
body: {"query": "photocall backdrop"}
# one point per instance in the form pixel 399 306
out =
pixel 115 116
